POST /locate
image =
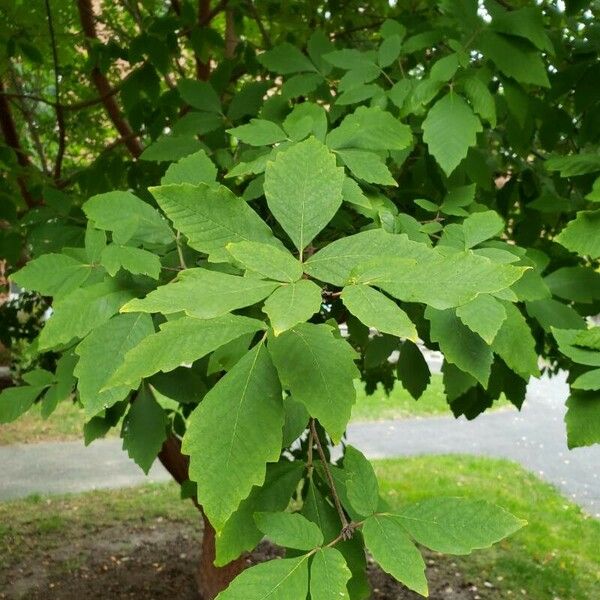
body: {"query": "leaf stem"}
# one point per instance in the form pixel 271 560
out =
pixel 336 499
pixel 179 251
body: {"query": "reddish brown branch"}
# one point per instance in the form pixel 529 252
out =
pixel 86 16
pixel 11 137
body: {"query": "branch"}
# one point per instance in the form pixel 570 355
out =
pixel 28 115
pixel 60 117
pixel 261 28
pixel 86 16
pixel 11 137
pixel 346 529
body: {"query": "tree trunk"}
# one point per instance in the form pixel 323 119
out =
pixel 211 580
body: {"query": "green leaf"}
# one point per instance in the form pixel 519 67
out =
pixel 290 530
pixel 200 95
pixel 551 313
pixel 389 50
pixel 353 194
pixel 63 385
pixel 15 401
pixel 194 169
pixel 457 198
pixel 204 294
pixel 583 419
pixel 573 165
pixel 581 234
pixel 233 433
pixel 266 260
pixel 303 187
pixel 481 99
pixel 318 370
pixel 101 354
pixel 515 344
pixel 144 429
pixel 76 314
pixel 134 260
pixel 413 370
pixel 376 310
pixel 38 377
pixel 481 226
pixel 95 241
pixel 52 274
pixel 259 132
pixel 306 119
pixel 441 277
pixel 362 488
pixel 370 129
pixel 589 338
pixel 357 94
pixel 514 58
pixel 285 59
pixel 459 344
pixel 296 420
pixel 588 381
pixel 197 123
pixel 457 525
pixel 578 284
pixel 567 340
pixel 240 533
pixel 367 166
pixel 291 304
pixel 128 218
pixel 178 342
pixel 484 315
pixel 393 550
pixel 211 217
pixel 526 22
pixel 336 261
pixel 329 575
pixel 168 148
pixel 449 130
pixel 284 579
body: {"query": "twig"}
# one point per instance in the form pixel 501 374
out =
pixel 309 453
pixel 66 107
pixel 87 18
pixel 29 116
pixel 346 529
pixel 60 117
pixel 261 28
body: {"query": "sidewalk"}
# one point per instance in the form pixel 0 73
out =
pixel 535 438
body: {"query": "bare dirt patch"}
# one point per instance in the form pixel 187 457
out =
pixel 157 560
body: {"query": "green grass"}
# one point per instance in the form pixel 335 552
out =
pixel 401 405
pixel 66 423
pixel 554 557
pixel 41 523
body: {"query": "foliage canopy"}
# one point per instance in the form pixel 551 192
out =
pixel 412 174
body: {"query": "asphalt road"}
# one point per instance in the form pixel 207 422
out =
pixel 535 438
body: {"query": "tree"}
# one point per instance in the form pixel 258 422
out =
pixel 413 174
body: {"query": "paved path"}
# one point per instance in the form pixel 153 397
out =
pixel 535 438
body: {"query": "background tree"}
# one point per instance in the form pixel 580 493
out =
pixel 223 184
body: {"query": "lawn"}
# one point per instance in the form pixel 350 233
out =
pixel 554 557
pixel 67 422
